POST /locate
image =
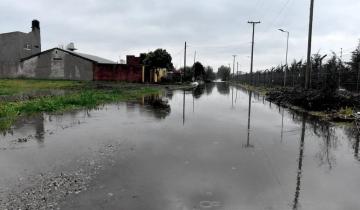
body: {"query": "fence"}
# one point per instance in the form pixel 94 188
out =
pixel 346 79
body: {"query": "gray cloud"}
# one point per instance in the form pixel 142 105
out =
pixel 216 29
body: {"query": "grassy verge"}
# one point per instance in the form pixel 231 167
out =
pixel 262 90
pixel 16 86
pixel 85 98
pixel 344 114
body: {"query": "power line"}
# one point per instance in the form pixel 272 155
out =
pixel 279 13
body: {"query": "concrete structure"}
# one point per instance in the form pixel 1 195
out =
pixel 17 45
pixel 57 63
pixel 21 56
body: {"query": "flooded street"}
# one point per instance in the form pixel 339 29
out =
pixel 208 151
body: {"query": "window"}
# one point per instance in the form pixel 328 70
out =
pixel 27 47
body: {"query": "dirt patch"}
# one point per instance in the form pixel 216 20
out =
pixel 47 190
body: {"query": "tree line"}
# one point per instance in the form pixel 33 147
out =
pixel 330 75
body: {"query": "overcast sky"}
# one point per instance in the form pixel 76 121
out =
pixel 216 29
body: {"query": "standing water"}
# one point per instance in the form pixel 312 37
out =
pixel 217 147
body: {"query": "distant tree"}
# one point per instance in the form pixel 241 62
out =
pixel 223 73
pixel 199 71
pixel 187 74
pixel 355 59
pixel 209 74
pixel 158 59
pixel 332 67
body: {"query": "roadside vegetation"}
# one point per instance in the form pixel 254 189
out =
pixel 333 91
pixel 83 95
pixel 17 86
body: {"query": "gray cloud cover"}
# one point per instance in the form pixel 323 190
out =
pixel 216 29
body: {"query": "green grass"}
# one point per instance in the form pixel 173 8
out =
pixel 88 97
pixel 16 86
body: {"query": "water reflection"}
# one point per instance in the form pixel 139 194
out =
pixel 39 128
pixel 223 88
pixel 354 136
pixel 183 107
pixel 282 125
pixel 300 165
pixel 34 126
pixel 249 120
pixel 209 87
pixel 199 91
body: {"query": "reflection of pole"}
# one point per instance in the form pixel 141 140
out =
pixel 356 146
pixel 184 109
pixel 193 101
pixel 232 97
pixel 249 117
pixel 282 124
pixel 300 164
pixel 236 96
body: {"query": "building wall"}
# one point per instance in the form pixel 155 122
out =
pixel 15 46
pixel 56 64
pixel 159 74
pixel 118 72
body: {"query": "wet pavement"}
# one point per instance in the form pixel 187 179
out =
pixel 208 151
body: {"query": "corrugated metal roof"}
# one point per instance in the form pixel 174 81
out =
pixel 94 58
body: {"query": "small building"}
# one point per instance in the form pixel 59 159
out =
pixel 17 45
pixel 21 56
pixel 57 63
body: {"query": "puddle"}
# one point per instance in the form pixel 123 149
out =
pixel 203 151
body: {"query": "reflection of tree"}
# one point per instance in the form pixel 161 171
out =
pixel 199 91
pixel 223 88
pixel 329 142
pixel 300 164
pixel 353 135
pixel 209 87
pixel 160 108
pixel 39 128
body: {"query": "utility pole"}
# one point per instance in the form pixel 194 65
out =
pixel 341 54
pixel 184 64
pixel 195 57
pixel 308 66
pixel 252 48
pixel 287 52
pixel 234 66
pixel 237 70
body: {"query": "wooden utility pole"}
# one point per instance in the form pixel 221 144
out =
pixel 195 57
pixel 234 66
pixel 184 64
pixel 252 48
pixel 308 66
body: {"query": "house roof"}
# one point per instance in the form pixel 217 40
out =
pixel 88 57
pixel 94 58
pixel 13 32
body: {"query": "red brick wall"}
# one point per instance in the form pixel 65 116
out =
pixel 132 60
pixel 118 72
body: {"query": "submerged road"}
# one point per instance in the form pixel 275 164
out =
pixel 219 147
